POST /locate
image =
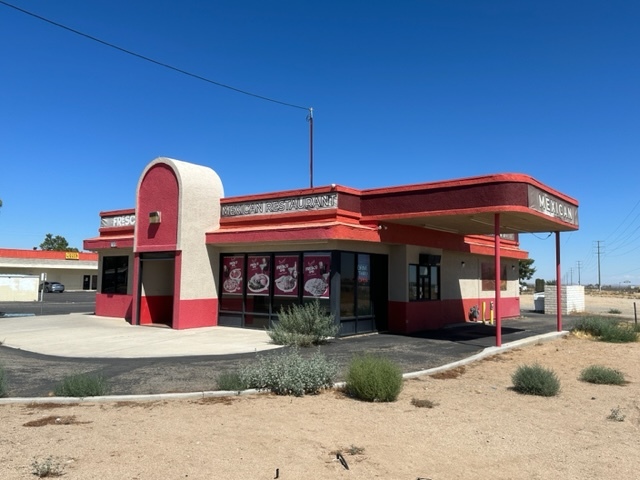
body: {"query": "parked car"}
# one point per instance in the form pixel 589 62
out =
pixel 52 287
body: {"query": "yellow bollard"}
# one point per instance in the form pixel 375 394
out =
pixel 484 309
pixel 491 310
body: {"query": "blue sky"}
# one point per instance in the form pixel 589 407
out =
pixel 402 92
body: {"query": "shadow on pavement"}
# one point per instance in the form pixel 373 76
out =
pixel 467 333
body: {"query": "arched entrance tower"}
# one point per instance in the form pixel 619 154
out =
pixel 174 281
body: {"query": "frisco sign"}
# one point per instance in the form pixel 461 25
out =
pixel 552 206
pixel 118 221
pixel 282 205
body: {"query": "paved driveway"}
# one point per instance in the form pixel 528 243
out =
pixel 33 374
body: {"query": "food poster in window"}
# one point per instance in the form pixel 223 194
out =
pixel 258 267
pixel 232 274
pixel 285 275
pixel 316 269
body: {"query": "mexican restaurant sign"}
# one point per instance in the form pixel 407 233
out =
pixel 552 206
pixel 281 205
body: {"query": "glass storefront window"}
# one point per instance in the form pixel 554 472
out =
pixel 363 297
pixel 355 285
pixel 115 274
pixel 256 287
pixel 434 282
pixel 347 284
pixel 413 282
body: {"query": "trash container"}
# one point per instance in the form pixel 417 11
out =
pixel 538 301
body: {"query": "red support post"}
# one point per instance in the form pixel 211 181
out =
pixel 558 284
pixel 497 288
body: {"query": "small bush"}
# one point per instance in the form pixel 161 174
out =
pixel 607 329
pixel 616 415
pixel 602 375
pixel 290 374
pixel 82 385
pixel 614 311
pixel 621 333
pixel 3 382
pixel 48 467
pixel 303 325
pixel 594 326
pixel 423 403
pixel 230 381
pixel 374 379
pixel 535 380
pixel 355 450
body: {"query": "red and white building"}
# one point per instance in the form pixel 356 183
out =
pixel 398 259
pixel 76 270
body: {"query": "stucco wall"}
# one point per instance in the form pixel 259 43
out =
pixel 19 288
pixel 572 299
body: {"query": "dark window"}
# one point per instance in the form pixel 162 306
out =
pixel 355 285
pixel 365 306
pixel 347 285
pixel 115 274
pixel 424 282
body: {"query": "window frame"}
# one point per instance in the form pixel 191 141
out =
pixel 119 287
pixel 420 277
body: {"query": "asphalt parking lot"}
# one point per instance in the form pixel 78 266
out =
pixel 53 304
pixel 32 374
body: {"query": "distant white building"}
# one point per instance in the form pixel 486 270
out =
pixel 76 270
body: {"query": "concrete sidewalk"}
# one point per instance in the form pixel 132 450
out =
pixel 91 336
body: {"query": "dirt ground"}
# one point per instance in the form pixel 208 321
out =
pixel 477 428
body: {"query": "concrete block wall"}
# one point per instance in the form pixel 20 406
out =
pixel 572 299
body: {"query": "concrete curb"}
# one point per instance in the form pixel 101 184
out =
pixel 487 352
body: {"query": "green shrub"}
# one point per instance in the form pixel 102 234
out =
pixel 614 311
pixel 607 329
pixel 303 325
pixel 230 381
pixel 602 375
pixel 3 382
pixel 535 380
pixel 374 379
pixel 82 385
pixel 620 333
pixel 288 373
pixel 595 326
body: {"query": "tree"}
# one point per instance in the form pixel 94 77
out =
pixel 57 243
pixel 526 269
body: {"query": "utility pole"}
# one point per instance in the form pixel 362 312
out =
pixel 599 251
pixel 579 265
pixel 310 120
pixel 571 273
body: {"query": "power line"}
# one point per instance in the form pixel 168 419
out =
pixel 151 60
pixel 622 223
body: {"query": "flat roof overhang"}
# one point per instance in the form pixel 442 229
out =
pixel 468 206
pixel 512 220
pixel 463 207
